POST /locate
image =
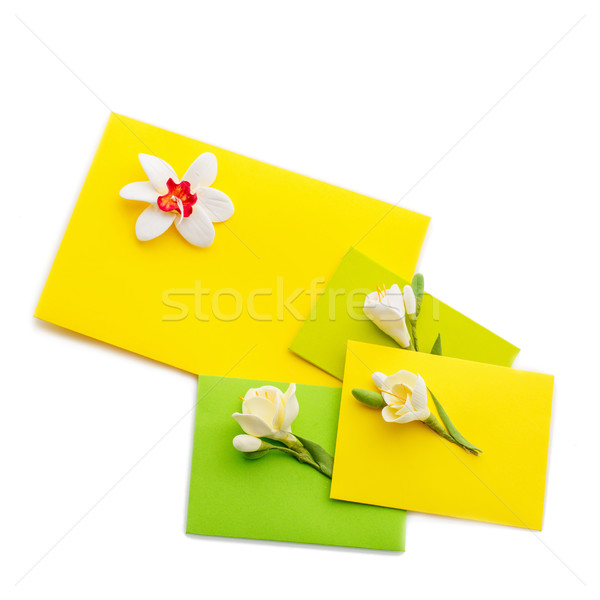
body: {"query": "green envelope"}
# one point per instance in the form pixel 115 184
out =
pixel 276 497
pixel 337 317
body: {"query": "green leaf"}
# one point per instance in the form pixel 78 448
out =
pixel 319 454
pixel 418 286
pixel 372 399
pixel 437 346
pixel 451 429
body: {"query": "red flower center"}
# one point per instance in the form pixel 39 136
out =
pixel 178 197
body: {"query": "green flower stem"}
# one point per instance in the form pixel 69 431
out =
pixel 412 321
pixel 299 453
pixel 303 450
pixel 435 426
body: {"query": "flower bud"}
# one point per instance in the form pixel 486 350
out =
pixel 247 443
pixel 410 301
pixel 372 399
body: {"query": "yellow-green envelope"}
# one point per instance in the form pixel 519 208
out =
pixel 338 317
pixel 267 262
pixel 505 412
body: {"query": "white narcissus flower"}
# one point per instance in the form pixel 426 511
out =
pixel 191 201
pixel 405 395
pixel 268 412
pixel 246 443
pixel 386 309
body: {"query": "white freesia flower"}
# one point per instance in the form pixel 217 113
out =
pixel 405 395
pixel 410 300
pixel 246 443
pixel 386 309
pixel 192 201
pixel 268 412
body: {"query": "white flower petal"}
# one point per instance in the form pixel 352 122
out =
pixel 371 300
pixel 394 299
pixel 291 391
pixel 419 394
pixel 251 393
pixel 246 443
pixel 402 392
pixel 283 436
pixel 202 172
pixel 260 407
pixel 390 399
pixel 158 171
pixel 152 223
pixel 253 425
pixel 383 313
pixel 140 190
pixel 379 379
pixel 369 310
pixel 262 391
pixel 388 414
pixel 400 334
pixel 292 408
pixel 197 229
pixel 279 413
pixel 396 398
pixel 373 312
pixel 271 393
pixel 404 406
pixel 401 377
pixel 217 204
pixel 407 418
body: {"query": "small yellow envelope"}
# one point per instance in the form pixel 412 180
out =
pixel 505 412
pixel 232 308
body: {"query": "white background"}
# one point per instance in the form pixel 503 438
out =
pixel 483 115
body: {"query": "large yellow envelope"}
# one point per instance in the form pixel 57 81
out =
pixel 505 412
pixel 232 308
